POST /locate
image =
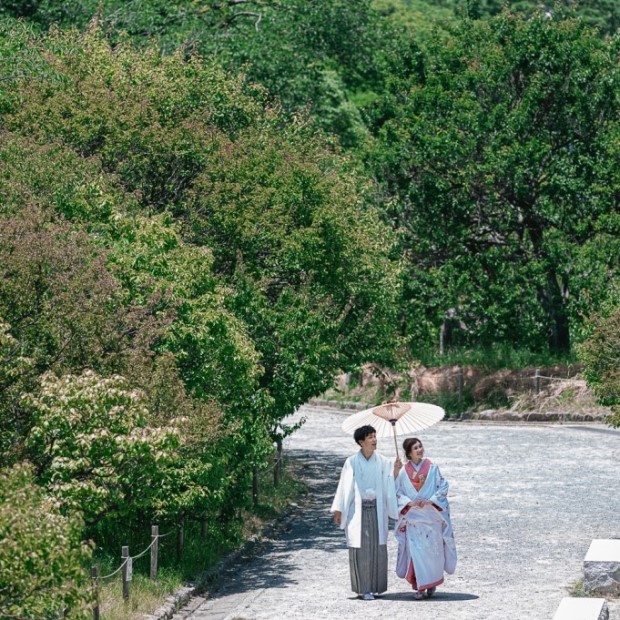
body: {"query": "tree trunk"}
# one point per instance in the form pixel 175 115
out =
pixel 553 300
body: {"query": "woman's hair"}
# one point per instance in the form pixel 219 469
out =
pixel 409 443
pixel 362 432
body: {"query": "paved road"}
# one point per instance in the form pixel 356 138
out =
pixel 526 502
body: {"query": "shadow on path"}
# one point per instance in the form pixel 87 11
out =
pixel 439 597
pixel 270 562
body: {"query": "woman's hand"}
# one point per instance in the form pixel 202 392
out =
pixel 337 517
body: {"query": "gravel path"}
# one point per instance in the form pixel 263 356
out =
pixel 526 502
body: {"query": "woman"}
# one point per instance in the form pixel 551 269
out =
pixel 424 530
pixel 365 500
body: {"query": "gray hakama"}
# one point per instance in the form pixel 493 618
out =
pixel 368 564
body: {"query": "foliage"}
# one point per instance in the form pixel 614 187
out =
pixel 224 161
pixel 286 230
pixel 602 14
pixel 504 133
pixel 600 355
pixel 15 369
pixel 41 558
pixel 92 447
pixel 316 55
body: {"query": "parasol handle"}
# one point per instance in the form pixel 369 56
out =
pixel 393 423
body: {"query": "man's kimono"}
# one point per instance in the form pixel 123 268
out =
pixel 348 499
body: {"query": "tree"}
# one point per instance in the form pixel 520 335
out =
pixel 321 56
pixel 16 377
pixel 93 449
pixel 41 557
pixel 243 238
pixel 602 14
pixel 494 153
pixel 600 355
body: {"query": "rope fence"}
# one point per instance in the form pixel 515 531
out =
pixel 537 378
pixel 126 566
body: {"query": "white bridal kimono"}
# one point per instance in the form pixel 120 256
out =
pixel 424 535
pixel 349 495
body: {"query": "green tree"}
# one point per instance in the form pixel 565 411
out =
pixel 602 14
pixel 600 355
pixel 320 56
pixel 41 557
pixel 93 449
pixel 15 372
pixel 495 156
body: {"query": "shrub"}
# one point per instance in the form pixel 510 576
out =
pixel 41 557
pixel 600 355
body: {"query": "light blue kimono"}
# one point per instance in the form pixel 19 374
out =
pixel 424 534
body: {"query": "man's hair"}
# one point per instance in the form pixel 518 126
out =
pixel 362 432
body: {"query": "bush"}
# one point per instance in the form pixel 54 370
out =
pixel 93 449
pixel 600 355
pixel 41 559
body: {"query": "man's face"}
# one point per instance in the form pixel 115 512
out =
pixel 369 443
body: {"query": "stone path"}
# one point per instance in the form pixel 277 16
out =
pixel 526 502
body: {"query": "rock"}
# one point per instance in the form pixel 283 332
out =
pixel 601 567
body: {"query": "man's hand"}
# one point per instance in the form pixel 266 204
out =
pixel 337 517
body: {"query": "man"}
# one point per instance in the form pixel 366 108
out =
pixel 364 501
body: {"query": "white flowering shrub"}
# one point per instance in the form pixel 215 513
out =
pixel 93 448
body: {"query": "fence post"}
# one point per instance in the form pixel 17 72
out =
pixel 537 380
pixel 125 572
pixel 154 551
pixel 460 383
pixel 277 468
pixel 94 573
pixel 180 541
pixel 203 527
pixel 255 485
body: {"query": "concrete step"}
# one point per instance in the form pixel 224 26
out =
pixel 582 609
pixel 601 567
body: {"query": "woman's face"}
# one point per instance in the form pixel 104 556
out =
pixel 416 452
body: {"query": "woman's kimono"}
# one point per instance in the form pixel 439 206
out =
pixel 426 545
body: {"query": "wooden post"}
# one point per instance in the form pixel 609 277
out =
pixel 255 485
pixel 442 338
pixel 460 380
pixel 154 551
pixel 125 571
pixel 180 541
pixel 203 527
pixel 94 573
pixel 277 468
pixel 537 380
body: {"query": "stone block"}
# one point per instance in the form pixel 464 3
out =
pixel 582 609
pixel 601 567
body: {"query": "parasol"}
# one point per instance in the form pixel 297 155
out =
pixel 396 418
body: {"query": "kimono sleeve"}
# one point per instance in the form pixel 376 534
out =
pixel 343 495
pixel 440 494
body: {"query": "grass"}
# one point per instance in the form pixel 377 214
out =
pixel 200 553
pixel 494 358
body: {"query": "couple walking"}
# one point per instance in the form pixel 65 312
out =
pixel 371 490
